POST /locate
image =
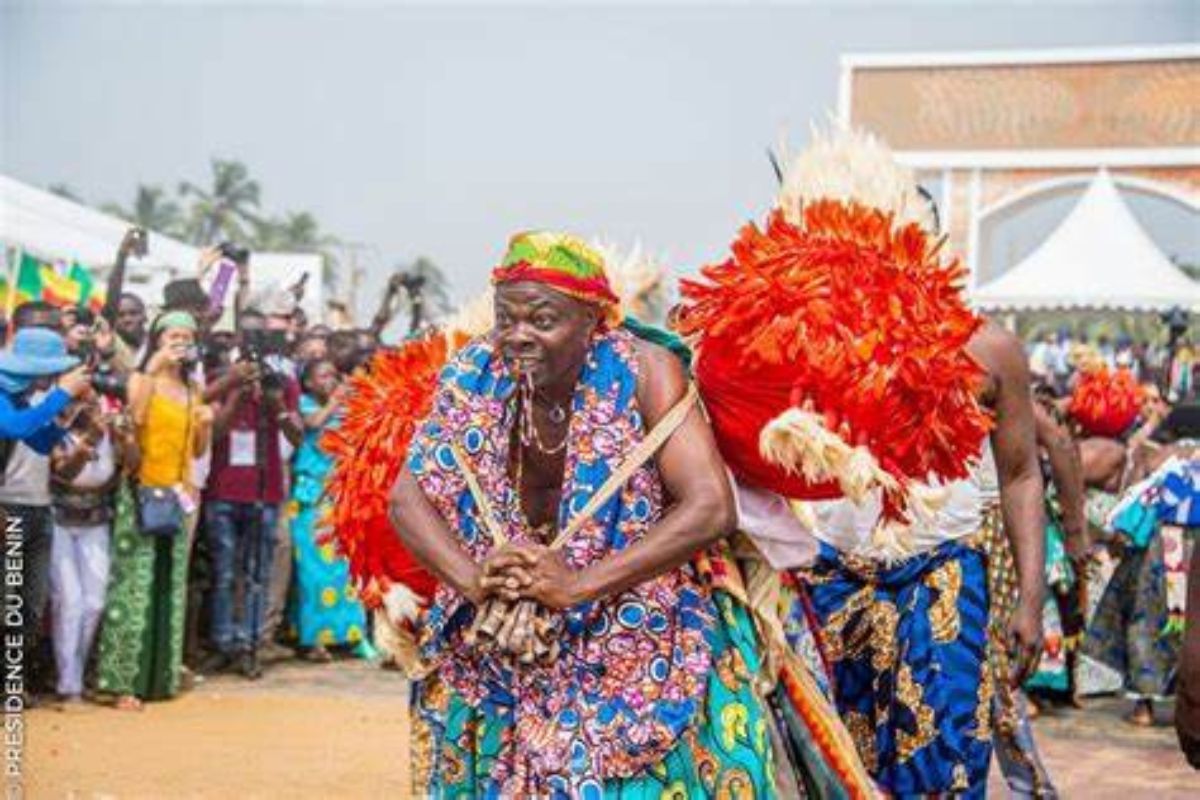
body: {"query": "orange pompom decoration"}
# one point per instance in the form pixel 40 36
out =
pixel 384 405
pixel 848 333
pixel 1106 403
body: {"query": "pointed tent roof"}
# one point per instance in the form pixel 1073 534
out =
pixel 1099 257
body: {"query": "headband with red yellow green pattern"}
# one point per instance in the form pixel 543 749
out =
pixel 562 262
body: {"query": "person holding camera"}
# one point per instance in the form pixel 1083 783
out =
pixel 245 491
pixel 86 470
pixel 30 404
pixel 141 642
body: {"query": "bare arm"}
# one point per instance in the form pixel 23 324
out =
pixel 427 536
pixel 134 240
pixel 1066 470
pixel 1015 449
pixel 202 430
pixel 386 309
pixel 319 418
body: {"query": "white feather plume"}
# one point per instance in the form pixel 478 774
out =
pixel 849 165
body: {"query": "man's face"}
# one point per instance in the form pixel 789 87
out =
pixel 312 349
pixel 542 333
pixel 131 320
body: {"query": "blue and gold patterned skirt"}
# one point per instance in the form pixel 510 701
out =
pixel 908 647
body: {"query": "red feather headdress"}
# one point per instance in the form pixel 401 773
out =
pixel 1106 402
pixel 831 355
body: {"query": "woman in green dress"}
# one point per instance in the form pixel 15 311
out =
pixel 141 643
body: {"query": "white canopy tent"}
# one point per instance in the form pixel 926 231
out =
pixel 58 229
pixel 1100 257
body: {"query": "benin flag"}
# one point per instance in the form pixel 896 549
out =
pixel 58 289
pixel 28 285
pixel 89 294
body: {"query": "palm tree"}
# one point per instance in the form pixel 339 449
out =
pixel 298 232
pixel 223 211
pixel 152 210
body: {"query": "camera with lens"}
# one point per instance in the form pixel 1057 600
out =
pixel 110 383
pixel 236 253
pixel 258 346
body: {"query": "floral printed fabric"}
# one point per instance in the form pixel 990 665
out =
pixel 633 675
pixel 727 753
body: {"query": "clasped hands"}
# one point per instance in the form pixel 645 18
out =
pixel 517 591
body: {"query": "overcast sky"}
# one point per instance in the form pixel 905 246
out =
pixel 439 131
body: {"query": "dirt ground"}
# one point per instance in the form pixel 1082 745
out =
pixel 303 731
pixel 339 731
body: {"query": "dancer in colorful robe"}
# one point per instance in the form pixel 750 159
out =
pixel 841 367
pixel 650 688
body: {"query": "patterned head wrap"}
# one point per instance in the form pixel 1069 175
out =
pixel 565 264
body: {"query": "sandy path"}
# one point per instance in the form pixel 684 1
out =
pixel 339 732
pixel 303 732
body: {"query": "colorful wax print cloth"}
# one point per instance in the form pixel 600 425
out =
pixel 140 647
pixel 814 753
pixel 633 678
pixel 1179 497
pixel 1062 612
pixel 1016 749
pixel 325 608
pixel 908 645
pixel 1130 631
pixel 725 752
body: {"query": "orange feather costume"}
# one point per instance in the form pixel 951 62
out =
pixel 1106 402
pixel 831 345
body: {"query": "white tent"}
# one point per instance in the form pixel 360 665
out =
pixel 1100 257
pixel 58 229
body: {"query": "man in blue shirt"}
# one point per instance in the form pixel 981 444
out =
pixel 28 432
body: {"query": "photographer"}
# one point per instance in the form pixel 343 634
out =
pixel 86 470
pixel 93 342
pixel 141 643
pixel 244 493
pixel 29 405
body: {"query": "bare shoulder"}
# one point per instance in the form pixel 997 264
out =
pixel 996 348
pixel 661 380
